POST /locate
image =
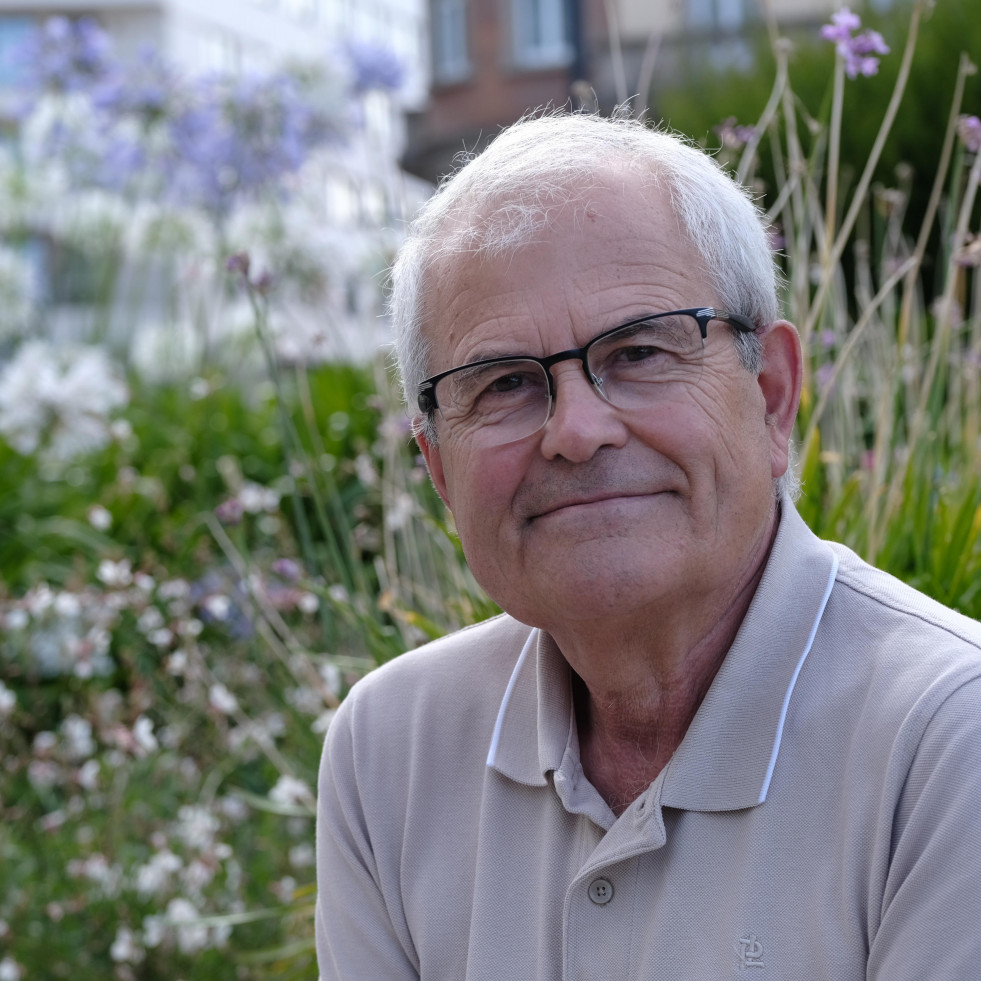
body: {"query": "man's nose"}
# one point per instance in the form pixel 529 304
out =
pixel 582 421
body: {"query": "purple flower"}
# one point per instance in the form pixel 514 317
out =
pixel 842 24
pixel 239 263
pixel 373 66
pixel 825 375
pixel 733 135
pixel 859 51
pixel 969 130
pixel 203 142
pixel 230 511
pixel 776 238
pixel 67 55
pixel 287 569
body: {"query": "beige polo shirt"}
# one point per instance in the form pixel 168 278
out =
pixel 820 820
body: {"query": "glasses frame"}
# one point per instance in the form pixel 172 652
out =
pixel 426 395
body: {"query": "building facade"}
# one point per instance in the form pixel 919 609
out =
pixel 494 60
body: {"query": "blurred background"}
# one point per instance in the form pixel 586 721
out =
pixel 213 519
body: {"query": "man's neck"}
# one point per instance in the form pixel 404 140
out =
pixel 637 693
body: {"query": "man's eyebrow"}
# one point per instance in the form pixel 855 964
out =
pixel 670 327
pixel 673 327
pixel 488 353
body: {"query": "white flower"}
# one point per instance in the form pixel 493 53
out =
pixel 197 827
pixel 161 638
pixel 196 876
pixel 149 620
pixel 143 734
pixel 126 948
pixel 221 699
pixel 302 856
pixel 305 699
pixel 16 619
pixel 399 511
pixel 67 605
pixel 99 518
pixel 59 400
pixel 255 498
pixel 192 935
pixel 291 792
pixel 331 674
pixel 114 574
pixel 154 931
pixel 234 808
pixel 88 775
pixel 10 970
pixel 284 889
pixel 77 733
pixel 8 701
pixel 96 869
pixel 338 594
pixel 44 743
pixel 322 723
pixel 154 876
pixel 365 469
pixel 220 607
pixel 308 603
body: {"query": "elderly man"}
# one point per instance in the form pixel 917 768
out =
pixel 700 743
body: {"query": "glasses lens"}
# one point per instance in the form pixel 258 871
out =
pixel 629 363
pixel 496 403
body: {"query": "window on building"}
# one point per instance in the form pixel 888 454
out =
pixel 542 31
pixel 15 31
pixel 451 55
pixel 220 51
pixel 717 15
pixel 378 118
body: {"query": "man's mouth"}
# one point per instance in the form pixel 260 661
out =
pixel 576 501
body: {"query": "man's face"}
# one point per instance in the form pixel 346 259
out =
pixel 608 512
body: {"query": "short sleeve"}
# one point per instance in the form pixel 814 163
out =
pixel 930 925
pixel 360 929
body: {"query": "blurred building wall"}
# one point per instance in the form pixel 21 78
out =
pixel 494 60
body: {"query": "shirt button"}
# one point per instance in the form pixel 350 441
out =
pixel 601 891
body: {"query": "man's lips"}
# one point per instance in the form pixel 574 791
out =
pixel 578 501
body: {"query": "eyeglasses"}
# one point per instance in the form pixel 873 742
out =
pixel 502 400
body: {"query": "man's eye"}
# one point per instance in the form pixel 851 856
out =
pixel 638 352
pixel 508 383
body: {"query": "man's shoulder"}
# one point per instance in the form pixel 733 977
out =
pixel 467 670
pixel 878 599
pixel 427 714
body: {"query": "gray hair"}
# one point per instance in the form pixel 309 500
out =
pixel 503 198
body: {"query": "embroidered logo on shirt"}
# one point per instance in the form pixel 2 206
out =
pixel 750 950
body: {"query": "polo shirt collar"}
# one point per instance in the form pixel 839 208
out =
pixel 731 749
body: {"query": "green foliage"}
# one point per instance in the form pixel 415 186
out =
pixel 181 449
pixel 699 100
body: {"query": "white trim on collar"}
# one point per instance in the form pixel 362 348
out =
pixel 793 681
pixel 499 724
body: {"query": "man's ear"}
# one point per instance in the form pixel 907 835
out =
pixel 434 462
pixel 780 382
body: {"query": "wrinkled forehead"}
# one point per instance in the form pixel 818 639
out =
pixel 601 253
pixel 499 219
